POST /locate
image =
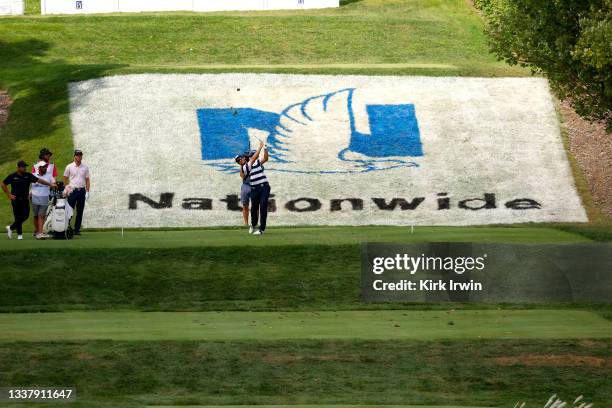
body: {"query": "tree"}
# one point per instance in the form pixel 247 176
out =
pixel 568 41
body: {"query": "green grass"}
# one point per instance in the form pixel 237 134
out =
pixel 303 268
pixel 456 373
pixel 311 406
pixel 369 31
pixel 340 325
pixel 595 232
pixel 297 236
pixel 312 270
pixel 32 7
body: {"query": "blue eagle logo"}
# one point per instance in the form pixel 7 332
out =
pixel 316 136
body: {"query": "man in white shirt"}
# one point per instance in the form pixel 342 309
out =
pixel 40 197
pixel 76 176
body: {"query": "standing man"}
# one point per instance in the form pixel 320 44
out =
pixel 260 190
pixel 40 198
pixel 76 176
pixel 20 187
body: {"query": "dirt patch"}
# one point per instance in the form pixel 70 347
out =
pixel 592 147
pixel 85 356
pixel 288 358
pixel 297 358
pixel 282 359
pixel 5 104
pixel 588 343
pixel 559 360
pixel 271 358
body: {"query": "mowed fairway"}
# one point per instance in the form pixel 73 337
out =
pixel 346 325
pixel 297 236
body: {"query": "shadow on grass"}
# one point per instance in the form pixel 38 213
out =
pixel 347 2
pixel 39 90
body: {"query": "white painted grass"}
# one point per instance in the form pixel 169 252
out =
pixel 140 135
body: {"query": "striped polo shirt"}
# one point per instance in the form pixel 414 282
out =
pixel 257 173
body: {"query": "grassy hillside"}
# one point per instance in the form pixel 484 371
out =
pixel 421 33
pixel 40 55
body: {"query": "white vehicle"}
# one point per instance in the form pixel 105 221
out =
pixel 59 213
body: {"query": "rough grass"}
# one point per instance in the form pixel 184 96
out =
pixel 474 373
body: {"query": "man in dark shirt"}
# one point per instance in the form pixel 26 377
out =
pixel 20 182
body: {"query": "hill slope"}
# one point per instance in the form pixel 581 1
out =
pixel 39 55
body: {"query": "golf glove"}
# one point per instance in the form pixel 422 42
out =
pixel 87 196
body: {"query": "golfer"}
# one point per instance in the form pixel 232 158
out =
pixel 260 190
pixel 76 176
pixel 40 197
pixel 20 182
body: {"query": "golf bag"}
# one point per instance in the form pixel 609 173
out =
pixel 59 213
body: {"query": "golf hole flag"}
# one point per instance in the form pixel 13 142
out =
pixel 344 150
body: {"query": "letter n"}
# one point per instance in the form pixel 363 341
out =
pixel 356 204
pixel 165 201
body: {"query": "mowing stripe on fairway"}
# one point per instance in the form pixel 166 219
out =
pixel 365 325
pixel 311 406
pixel 298 236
